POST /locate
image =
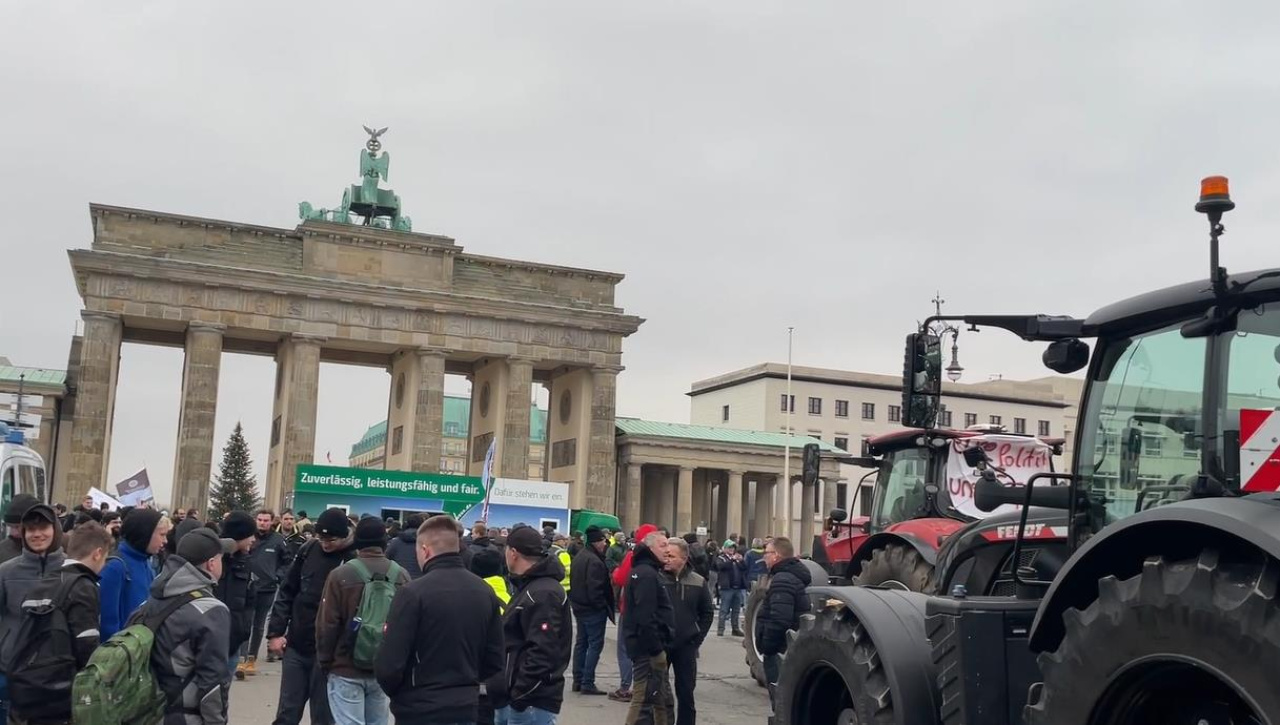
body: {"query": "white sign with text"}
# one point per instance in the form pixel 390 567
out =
pixel 1020 458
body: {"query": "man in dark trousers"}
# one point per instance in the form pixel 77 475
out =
pixel 649 628
pixel 783 604
pixel 691 600
pixel 292 628
pixel 269 560
pixel 237 588
pixel 591 594
pixel 443 635
pixel 538 630
pixel 732 583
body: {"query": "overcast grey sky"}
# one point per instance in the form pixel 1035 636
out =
pixel 748 165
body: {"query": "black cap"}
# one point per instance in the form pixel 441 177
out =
pixel 40 511
pixel 594 534
pixel 526 541
pixel 239 525
pixel 201 545
pixel 18 508
pixel 371 532
pixel 333 522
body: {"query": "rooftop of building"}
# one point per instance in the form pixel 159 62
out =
pixel 11 375
pixel 686 431
pixel 1041 391
pixel 457 422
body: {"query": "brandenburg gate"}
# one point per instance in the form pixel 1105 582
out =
pixel 350 285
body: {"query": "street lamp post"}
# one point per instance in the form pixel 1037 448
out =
pixel 786 460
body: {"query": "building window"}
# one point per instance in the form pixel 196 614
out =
pixel 1152 446
pixel 865 498
pixel 868 411
pixel 1044 427
pixel 815 406
pixel 842 409
pixel 397 440
pixel 842 443
pixel 453 429
pixel 944 416
pixel 1020 425
pixel 970 420
pixel 842 494
pixel 996 420
pixel 895 413
pixel 784 403
pixel 724 414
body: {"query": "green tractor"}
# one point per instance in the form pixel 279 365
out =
pixel 1166 610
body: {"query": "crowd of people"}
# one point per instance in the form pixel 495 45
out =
pixel 419 619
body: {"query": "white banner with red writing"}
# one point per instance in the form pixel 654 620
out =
pixel 1020 458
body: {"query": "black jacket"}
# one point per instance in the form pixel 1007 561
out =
pixel 783 604
pixel 237 589
pixel 443 636
pixel 733 572
pixel 649 625
pixel 691 600
pixel 538 629
pixel 298 599
pixel 480 544
pixel 269 559
pixel 402 549
pixel 590 589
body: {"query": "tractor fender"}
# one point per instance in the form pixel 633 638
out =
pixel 924 535
pixel 895 620
pixel 1178 530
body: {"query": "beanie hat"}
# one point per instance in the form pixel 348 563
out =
pixel 729 544
pixel 238 526
pixel 18 508
pixel 594 534
pixel 371 532
pixel 137 528
pixel 202 544
pixel 486 562
pixel 333 522
pixel 526 541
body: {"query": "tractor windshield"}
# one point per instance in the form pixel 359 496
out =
pixel 900 488
pixel 1142 431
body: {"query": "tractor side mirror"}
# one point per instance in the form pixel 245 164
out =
pixel 839 515
pixel 921 380
pixel 1066 356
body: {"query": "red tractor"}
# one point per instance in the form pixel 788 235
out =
pixel 923 494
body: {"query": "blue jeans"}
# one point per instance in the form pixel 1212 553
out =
pixel 624 661
pixel 588 646
pixel 530 716
pixel 358 701
pixel 730 605
pixel 4 697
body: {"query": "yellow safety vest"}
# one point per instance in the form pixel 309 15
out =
pixel 499 586
pixel 567 561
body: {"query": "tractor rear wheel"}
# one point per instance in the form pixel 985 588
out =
pixel 755 660
pixel 1193 641
pixel 833 675
pixel 896 563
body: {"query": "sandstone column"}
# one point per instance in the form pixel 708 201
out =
pixel 428 413
pixel 631 517
pixel 747 519
pixel 764 507
pixel 299 360
pixel 733 502
pixel 782 527
pixel 666 512
pixel 95 402
pixel 684 502
pixel 515 432
pixel 601 447
pixel 198 409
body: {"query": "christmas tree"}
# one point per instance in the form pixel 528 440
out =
pixel 234 488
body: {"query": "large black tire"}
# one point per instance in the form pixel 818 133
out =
pixel 896 563
pixel 1181 620
pixel 755 661
pixel 833 674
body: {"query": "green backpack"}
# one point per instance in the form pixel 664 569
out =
pixel 370 622
pixel 117 686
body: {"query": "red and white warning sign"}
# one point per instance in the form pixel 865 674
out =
pixel 1260 450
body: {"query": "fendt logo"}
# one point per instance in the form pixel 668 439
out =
pixel 1010 531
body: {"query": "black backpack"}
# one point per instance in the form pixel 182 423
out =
pixel 42 661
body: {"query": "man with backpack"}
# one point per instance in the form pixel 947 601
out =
pixel 127 577
pixel 350 624
pixel 58 632
pixel 41 556
pixel 291 631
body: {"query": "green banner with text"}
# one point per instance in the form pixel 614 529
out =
pixel 339 481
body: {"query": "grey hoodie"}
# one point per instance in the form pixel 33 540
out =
pixel 17 577
pixel 191 646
